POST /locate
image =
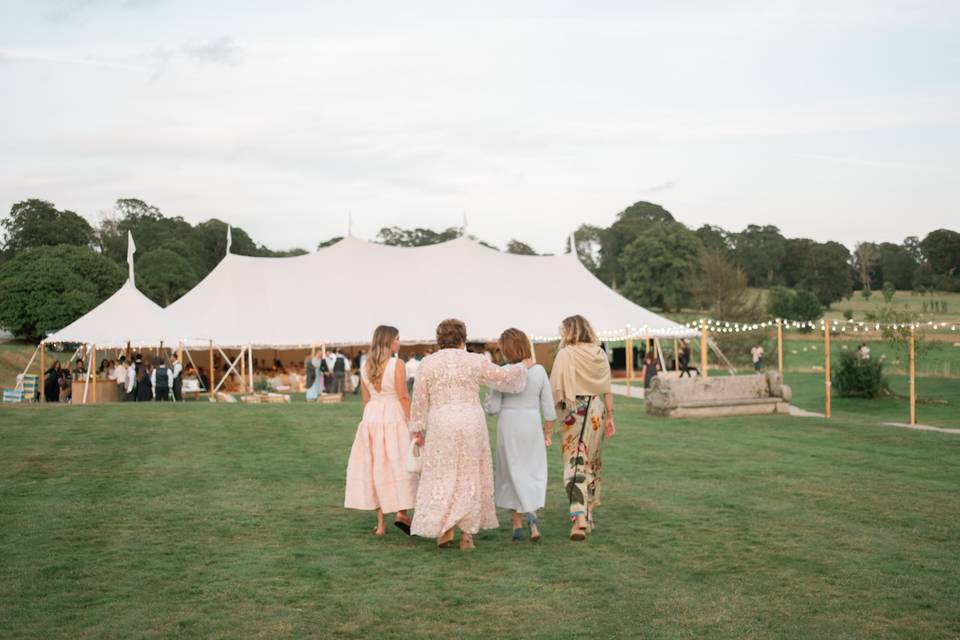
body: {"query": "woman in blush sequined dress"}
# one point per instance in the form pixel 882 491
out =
pixel 456 483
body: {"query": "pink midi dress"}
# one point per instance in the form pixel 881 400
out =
pixel 456 483
pixel 377 476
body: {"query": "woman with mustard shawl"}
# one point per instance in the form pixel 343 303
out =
pixel 580 381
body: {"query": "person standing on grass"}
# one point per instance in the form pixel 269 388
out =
pixel 522 439
pixel 456 483
pixel 650 368
pixel 160 380
pixel 176 370
pixel 377 476
pixel 756 354
pixel 51 382
pixel 119 375
pixel 580 382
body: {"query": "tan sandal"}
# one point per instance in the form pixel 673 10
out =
pixel 445 541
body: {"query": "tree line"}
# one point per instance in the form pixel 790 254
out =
pixel 55 266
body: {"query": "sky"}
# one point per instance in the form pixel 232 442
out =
pixel 832 120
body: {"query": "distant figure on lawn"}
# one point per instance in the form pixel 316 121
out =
pixel 456 483
pixel 51 382
pixel 863 352
pixel 756 353
pixel 377 477
pixel 684 359
pixel 650 368
pixel 580 381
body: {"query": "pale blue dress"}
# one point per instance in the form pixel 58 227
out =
pixel 521 477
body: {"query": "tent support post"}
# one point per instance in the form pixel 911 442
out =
pixel 250 368
pixel 243 370
pixel 212 376
pixel 656 345
pixel 43 371
pixel 628 350
pixel 91 373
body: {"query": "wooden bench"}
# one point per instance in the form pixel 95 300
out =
pixel 751 394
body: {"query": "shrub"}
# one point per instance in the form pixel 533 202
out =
pixel 889 290
pixel 806 306
pixel 848 314
pixel 856 378
pixel 866 293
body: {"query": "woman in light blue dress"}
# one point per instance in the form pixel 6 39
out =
pixel 314 381
pixel 521 475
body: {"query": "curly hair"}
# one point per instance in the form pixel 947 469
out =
pixel 577 329
pixel 451 334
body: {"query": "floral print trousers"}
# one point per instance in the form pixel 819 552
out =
pixel 582 440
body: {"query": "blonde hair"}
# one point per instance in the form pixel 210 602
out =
pixel 515 346
pixel 577 329
pixel 380 353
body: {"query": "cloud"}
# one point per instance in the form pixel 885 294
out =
pixel 62 11
pixel 663 186
pixel 221 50
pixel 70 59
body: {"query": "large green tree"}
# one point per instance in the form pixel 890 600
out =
pixel 715 238
pixel 793 267
pixel 638 219
pixel 418 237
pixel 897 265
pixel 941 248
pixel 164 275
pixel 46 288
pixel 661 266
pixel 828 273
pixel 38 223
pixel 759 251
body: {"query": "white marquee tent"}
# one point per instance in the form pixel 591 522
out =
pixel 339 294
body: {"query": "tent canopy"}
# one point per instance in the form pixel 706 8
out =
pixel 126 316
pixel 338 295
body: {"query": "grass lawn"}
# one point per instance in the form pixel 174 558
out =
pixel 205 520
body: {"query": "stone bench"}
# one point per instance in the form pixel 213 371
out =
pixel 753 394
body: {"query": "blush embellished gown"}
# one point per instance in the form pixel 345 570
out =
pixel 456 483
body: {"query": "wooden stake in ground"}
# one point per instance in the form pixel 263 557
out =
pixel 628 350
pixel 43 372
pixel 780 346
pixel 703 348
pixel 826 365
pixel 243 371
pixel 676 355
pixel 913 375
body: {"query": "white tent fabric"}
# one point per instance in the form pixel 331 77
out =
pixel 338 295
pixel 126 316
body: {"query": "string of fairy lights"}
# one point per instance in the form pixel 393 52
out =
pixel 694 328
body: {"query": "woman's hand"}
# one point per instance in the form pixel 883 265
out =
pixel 418 438
pixel 609 429
pixel 547 439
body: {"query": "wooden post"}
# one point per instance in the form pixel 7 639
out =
pixel 533 350
pixel 913 375
pixel 43 372
pixel 628 349
pixel 703 348
pixel 250 368
pixel 243 370
pixel 128 351
pixel 160 348
pixel 211 379
pixel 92 373
pixel 826 366
pixel 780 345
pixel 676 356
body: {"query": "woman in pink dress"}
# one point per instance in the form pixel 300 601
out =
pixel 456 483
pixel 377 477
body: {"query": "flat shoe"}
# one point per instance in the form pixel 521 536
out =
pixel 578 534
pixel 517 534
pixel 403 526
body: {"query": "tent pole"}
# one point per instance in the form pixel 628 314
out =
pixel 628 349
pixel 128 351
pixel 92 372
pixel 210 378
pixel 676 356
pixel 243 370
pixel 250 355
pixel 43 371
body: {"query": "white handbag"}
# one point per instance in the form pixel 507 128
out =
pixel 414 458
